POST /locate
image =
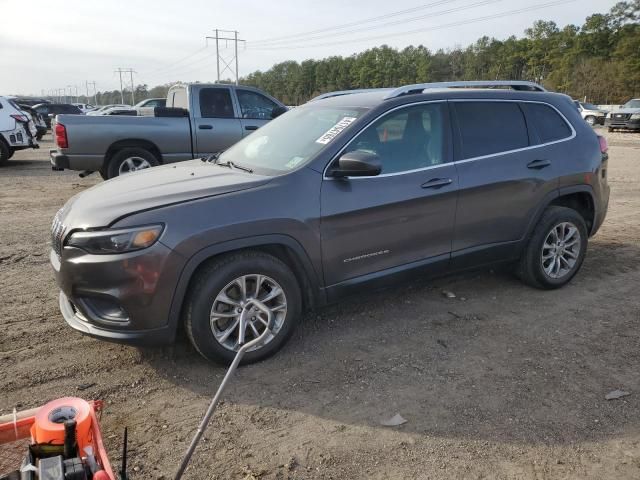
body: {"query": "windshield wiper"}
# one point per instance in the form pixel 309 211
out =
pixel 213 158
pixel 230 164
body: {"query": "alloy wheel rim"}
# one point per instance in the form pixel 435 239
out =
pixel 560 250
pixel 133 164
pixel 249 296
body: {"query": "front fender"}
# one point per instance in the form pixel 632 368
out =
pixel 205 254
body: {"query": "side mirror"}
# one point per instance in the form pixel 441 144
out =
pixel 276 112
pixel 359 163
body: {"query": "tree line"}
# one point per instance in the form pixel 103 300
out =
pixel 598 61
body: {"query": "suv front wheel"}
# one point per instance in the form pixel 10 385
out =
pixel 245 283
pixel 556 249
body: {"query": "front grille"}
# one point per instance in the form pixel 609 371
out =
pixel 621 116
pixel 57 233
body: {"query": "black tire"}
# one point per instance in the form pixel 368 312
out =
pixel 5 152
pixel 121 156
pixel 39 136
pixel 213 279
pixel 530 268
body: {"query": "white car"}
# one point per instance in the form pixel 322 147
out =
pixel 101 110
pixel 85 107
pixel 591 114
pixel 17 129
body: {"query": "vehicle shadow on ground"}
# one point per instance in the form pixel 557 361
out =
pixel 501 361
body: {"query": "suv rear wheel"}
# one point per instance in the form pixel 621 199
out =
pixel 244 283
pixel 556 249
pixel 130 160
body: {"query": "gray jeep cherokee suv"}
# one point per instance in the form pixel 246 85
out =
pixel 349 190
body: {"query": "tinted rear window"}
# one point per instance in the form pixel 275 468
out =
pixel 216 103
pixel 549 125
pixel 490 127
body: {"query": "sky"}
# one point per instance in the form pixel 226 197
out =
pixel 64 44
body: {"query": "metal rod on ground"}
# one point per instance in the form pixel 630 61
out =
pixel 242 327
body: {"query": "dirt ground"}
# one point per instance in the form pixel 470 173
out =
pixel 503 381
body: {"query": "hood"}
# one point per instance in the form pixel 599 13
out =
pixel 627 110
pixel 156 187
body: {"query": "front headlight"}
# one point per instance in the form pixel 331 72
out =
pixel 608 115
pixel 635 116
pixel 116 240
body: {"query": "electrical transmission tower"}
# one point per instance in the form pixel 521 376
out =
pixel 130 71
pixel 87 83
pixel 220 36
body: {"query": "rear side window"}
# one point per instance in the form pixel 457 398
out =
pixel 216 103
pixel 487 128
pixel 547 122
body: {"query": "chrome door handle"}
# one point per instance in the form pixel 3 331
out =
pixel 437 183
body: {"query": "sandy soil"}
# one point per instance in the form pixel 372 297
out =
pixel 502 381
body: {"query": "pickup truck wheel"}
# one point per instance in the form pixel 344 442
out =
pixel 130 160
pixel 5 152
pixel 241 284
pixel 556 249
pixel 591 120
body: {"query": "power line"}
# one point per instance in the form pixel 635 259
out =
pixel 421 30
pixel 176 62
pixel 359 22
pixel 388 24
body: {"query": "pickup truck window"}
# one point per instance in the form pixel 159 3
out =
pixel 254 105
pixel 215 103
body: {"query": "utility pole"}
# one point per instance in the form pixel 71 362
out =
pixel 95 100
pixel 227 63
pixel 133 99
pixel 121 91
pixel 130 71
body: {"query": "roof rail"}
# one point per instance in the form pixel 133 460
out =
pixel 420 87
pixel 339 93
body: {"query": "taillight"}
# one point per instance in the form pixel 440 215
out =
pixel 61 136
pixel 20 118
pixel 604 145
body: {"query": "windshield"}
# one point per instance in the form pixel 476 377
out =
pixel 632 103
pixel 589 106
pixel 291 140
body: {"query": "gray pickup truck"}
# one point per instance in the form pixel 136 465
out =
pixel 198 120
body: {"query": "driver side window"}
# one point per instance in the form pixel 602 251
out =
pixel 255 106
pixel 407 139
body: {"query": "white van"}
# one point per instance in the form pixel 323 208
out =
pixel 17 130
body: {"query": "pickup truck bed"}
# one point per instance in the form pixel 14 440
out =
pixel 199 120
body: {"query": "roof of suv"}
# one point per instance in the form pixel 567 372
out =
pixel 374 98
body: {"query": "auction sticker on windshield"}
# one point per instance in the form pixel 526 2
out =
pixel 335 130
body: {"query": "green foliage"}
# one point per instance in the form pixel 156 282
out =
pixel 599 60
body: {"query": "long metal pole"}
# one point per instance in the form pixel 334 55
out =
pixel 133 98
pixel 236 42
pixel 121 90
pixel 217 56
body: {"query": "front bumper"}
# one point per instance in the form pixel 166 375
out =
pixel 622 124
pixel 123 298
